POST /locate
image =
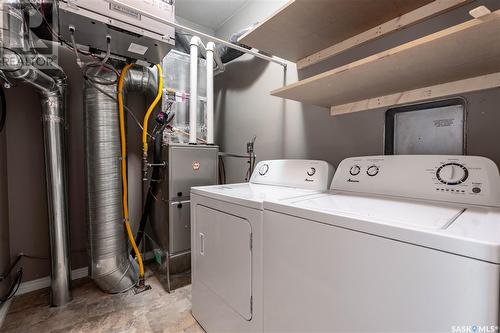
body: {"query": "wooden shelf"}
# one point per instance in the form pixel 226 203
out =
pixel 307 32
pixel 467 50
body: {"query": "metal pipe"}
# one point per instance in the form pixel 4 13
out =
pixel 53 119
pixel 111 266
pixel 193 89
pixel 197 33
pixel 210 92
pixel 52 89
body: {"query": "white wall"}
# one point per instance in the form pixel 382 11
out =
pixel 287 129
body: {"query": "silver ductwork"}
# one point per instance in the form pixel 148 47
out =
pixel 111 266
pixel 16 54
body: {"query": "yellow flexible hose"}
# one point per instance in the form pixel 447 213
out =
pixel 123 141
pixel 150 110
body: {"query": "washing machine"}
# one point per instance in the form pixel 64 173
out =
pixel 399 244
pixel 226 231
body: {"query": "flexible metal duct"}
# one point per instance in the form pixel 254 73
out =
pixel 112 269
pixel 16 66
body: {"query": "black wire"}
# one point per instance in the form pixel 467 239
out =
pixel 21 60
pixel 14 287
pixel 54 34
pixel 3 109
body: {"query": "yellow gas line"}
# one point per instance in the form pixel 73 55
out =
pixel 123 141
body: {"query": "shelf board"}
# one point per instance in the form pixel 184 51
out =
pixel 304 27
pixel 463 51
pixel 415 16
pixel 483 82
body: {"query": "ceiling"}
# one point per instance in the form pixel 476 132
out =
pixel 208 13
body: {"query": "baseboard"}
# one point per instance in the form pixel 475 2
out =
pixel 29 286
pixel 4 309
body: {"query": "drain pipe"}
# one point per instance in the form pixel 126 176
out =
pixel 193 84
pixel 52 90
pixel 212 58
pixel 210 92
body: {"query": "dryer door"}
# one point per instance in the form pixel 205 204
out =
pixel 224 257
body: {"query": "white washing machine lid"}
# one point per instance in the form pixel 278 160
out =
pixel 251 195
pixel 468 231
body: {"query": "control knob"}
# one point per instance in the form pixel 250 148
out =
pixel 263 169
pixel 452 173
pixel 311 172
pixel 355 170
pixel 372 171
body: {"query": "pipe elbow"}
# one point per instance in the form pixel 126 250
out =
pixel 195 41
pixel 211 46
pixel 141 79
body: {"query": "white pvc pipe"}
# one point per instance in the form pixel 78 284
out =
pixel 195 32
pixel 210 92
pixel 193 93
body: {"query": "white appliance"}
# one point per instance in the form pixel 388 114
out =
pixel 399 244
pixel 226 231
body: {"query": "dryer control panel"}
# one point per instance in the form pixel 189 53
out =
pixel 307 174
pixel 459 179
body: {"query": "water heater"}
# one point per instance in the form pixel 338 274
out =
pixel 134 35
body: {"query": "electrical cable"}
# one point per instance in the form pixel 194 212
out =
pixel 17 54
pixel 154 184
pixel 14 287
pixel 56 35
pixel 123 141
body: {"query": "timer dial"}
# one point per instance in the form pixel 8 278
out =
pixel 311 172
pixel 372 171
pixel 452 174
pixel 263 169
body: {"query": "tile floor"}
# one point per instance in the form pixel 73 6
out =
pixel 94 311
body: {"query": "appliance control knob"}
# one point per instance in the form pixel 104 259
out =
pixel 355 170
pixel 311 171
pixel 263 169
pixel 372 171
pixel 452 173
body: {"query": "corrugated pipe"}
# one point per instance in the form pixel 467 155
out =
pixel 15 51
pixel 111 267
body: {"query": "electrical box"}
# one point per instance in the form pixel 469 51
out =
pixel 133 35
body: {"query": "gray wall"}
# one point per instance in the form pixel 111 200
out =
pixel 4 214
pixel 288 129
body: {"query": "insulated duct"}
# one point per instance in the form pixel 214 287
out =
pixel 17 66
pixel 111 267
